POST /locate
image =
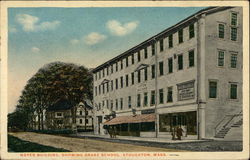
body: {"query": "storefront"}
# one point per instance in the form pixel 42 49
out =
pixel 187 120
pixel 132 125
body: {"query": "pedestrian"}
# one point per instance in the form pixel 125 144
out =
pixel 109 131
pixel 179 132
pixel 173 133
pixel 115 132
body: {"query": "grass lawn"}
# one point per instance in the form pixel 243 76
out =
pixel 17 145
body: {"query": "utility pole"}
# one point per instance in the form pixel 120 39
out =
pixel 156 88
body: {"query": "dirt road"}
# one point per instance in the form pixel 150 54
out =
pixel 85 145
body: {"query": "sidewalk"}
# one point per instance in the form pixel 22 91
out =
pixel 167 140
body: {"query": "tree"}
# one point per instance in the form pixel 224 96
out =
pixel 52 82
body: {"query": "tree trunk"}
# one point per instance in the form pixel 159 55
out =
pixel 42 120
pixel 85 110
pixel 39 120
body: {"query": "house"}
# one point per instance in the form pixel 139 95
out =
pixel 62 115
pixel 189 75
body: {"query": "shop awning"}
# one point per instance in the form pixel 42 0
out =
pixel 131 119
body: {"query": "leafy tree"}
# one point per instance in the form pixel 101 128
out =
pixel 52 82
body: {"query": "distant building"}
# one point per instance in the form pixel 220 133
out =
pixel 62 115
pixel 189 75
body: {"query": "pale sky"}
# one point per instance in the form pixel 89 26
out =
pixel 85 36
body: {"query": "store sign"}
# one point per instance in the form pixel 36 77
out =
pixel 186 90
pixel 149 111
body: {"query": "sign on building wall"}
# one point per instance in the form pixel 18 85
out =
pixel 186 90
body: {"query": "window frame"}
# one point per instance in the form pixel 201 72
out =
pixel 180 36
pixel 219 30
pixel 191 30
pixel 161 45
pixel 209 91
pixel 193 60
pixel 230 90
pixel 161 96
pixel 170 41
pixel 178 67
pixel 161 68
pixel 219 58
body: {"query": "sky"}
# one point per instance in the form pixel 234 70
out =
pixel 84 36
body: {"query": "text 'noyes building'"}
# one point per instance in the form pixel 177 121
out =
pixel 189 75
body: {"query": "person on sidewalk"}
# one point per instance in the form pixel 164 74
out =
pixel 173 133
pixel 179 131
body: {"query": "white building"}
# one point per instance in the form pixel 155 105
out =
pixel 188 75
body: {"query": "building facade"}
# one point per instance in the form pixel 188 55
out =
pixel 189 75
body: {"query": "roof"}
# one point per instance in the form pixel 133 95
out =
pixel 131 119
pixel 61 104
pixel 160 35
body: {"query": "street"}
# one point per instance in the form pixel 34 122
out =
pixel 85 145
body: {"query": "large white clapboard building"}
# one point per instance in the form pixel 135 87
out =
pixel 189 75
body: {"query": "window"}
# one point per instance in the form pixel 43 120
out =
pixel 99 89
pixel 111 85
pixel 221 30
pixel 80 121
pixel 116 66
pixel 139 76
pixel 233 19
pixel 180 35
pixel 111 68
pixel 96 76
pixel 132 78
pixel 121 65
pixel 96 91
pixel 138 100
pixel 107 104
pixel 126 61
pixel 121 82
pixel 132 59
pixel 145 53
pixel 116 104
pixel 212 89
pixel 161 96
pixel 170 94
pixel 103 72
pixel 153 49
pixel 126 80
pixel 170 41
pixel 161 45
pixel 87 121
pixel 233 91
pixel 86 113
pixel 170 65
pixel 58 114
pixel 161 68
pixel 108 87
pixel 153 71
pixel 138 56
pixel 121 103
pixel 129 102
pixel 103 103
pixel 111 105
pixel 103 88
pixel 116 83
pixel 191 31
pixel 152 102
pixel 145 99
pixel 107 70
pixel 233 33
pixel 146 74
pixel 180 62
pixel 191 58
pixel 220 58
pixel 233 60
